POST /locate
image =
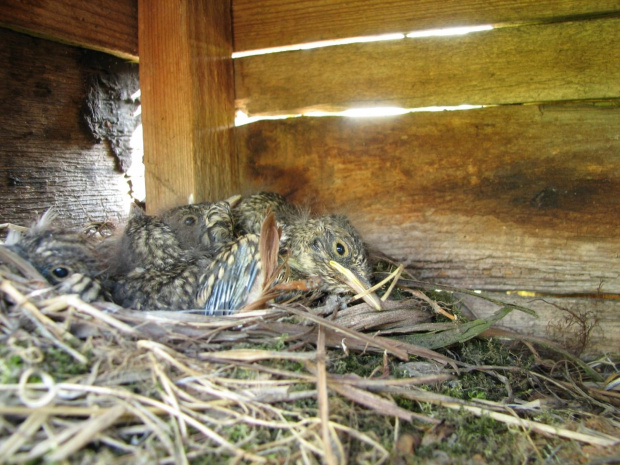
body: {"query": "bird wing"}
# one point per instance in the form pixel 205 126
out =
pixel 233 278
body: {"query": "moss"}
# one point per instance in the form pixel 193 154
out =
pixel 63 365
pixel 362 365
pixel 462 436
pixel 239 432
pixel 488 351
pixel 10 368
pixel 309 405
pixel 484 385
pixel 55 361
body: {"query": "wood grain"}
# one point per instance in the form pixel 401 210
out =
pixel 271 23
pixel 518 197
pixel 550 62
pixel 47 155
pixel 105 25
pixel 187 101
pixel 562 320
pixel 113 26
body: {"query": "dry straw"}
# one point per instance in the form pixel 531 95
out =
pixel 255 387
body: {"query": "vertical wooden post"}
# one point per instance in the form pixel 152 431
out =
pixel 186 77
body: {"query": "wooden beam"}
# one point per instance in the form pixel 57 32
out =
pixel 504 198
pixel 186 76
pixel 106 25
pixel 271 23
pixel 550 62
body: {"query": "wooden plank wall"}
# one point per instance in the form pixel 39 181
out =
pixel 106 25
pixel 533 63
pixel 272 23
pixel 48 156
pixel 520 195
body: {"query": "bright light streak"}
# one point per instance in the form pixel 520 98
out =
pixel 370 112
pixel 375 111
pixel 242 119
pixel 393 111
pixel 319 44
pixel 450 31
pixel 135 174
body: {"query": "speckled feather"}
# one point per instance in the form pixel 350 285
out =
pixel 249 214
pixel 311 242
pixel 206 226
pixel 147 242
pixel 66 259
pixel 167 277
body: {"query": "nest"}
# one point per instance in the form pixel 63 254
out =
pixel 293 383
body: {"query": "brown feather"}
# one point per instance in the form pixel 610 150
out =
pixel 268 247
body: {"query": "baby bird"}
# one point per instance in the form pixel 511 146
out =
pixel 205 226
pixel 327 247
pixel 66 259
pixel 147 242
pixel 249 214
pixel 155 272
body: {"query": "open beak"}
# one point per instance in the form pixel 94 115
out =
pixel 354 283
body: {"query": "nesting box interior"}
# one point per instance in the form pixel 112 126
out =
pixel 517 193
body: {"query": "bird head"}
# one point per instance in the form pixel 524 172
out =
pixel 250 213
pixel 330 248
pixel 65 258
pixel 206 226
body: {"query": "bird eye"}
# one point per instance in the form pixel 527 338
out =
pixel 341 249
pixel 60 272
pixel 190 220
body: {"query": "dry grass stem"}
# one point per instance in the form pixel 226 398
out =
pixel 434 305
pixel 89 429
pixel 393 276
pixel 321 388
pixel 314 381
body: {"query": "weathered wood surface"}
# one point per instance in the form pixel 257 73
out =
pixel 105 25
pixel 562 320
pixel 47 156
pixel 518 197
pixel 186 76
pixel 113 26
pixel 270 23
pixel 536 63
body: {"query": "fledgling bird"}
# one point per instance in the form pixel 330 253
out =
pixel 146 242
pixel 249 214
pixel 66 259
pixel 206 226
pixel 327 247
pixel 156 273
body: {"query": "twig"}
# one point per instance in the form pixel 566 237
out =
pixel 48 328
pixel 455 404
pixel 25 431
pixel 65 301
pixel 87 433
pixel 323 400
pixel 434 305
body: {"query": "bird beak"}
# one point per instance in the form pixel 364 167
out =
pixel 354 283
